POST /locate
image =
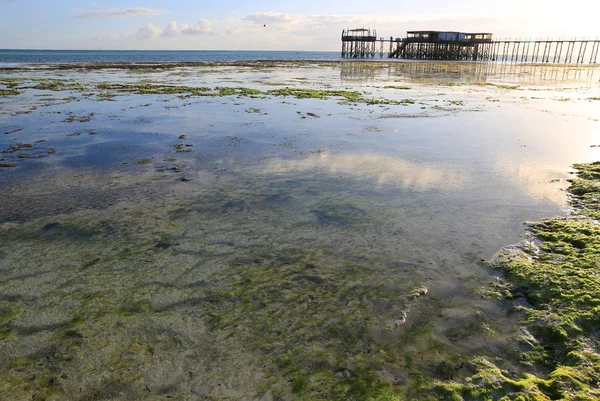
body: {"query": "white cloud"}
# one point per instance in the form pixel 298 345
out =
pixel 100 11
pixel 171 30
pixel 204 27
pixel 148 32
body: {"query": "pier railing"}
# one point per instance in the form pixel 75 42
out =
pixel 558 51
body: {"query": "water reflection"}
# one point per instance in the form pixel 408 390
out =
pixel 380 169
pixel 541 181
pixel 470 73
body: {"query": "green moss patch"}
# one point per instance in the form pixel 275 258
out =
pixel 561 282
pixel 312 322
pixel 9 92
pixel 500 86
pixel 58 85
pixel 109 90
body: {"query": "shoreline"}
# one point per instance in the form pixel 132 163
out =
pixel 559 280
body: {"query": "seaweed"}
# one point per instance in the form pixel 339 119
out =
pixel 561 282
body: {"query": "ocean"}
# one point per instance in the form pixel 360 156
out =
pixel 147 56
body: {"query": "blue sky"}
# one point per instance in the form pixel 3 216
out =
pixel 290 25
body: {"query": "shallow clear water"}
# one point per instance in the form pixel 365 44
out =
pixel 382 212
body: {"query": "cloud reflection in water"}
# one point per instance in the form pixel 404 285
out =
pixel 382 170
pixel 540 181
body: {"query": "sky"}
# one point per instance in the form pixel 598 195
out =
pixel 309 25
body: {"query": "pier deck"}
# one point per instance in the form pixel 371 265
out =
pixel 432 45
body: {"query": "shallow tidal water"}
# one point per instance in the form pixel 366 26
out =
pixel 272 247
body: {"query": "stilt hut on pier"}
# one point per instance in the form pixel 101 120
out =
pixel 443 45
pixel 358 43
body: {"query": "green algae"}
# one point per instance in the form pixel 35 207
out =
pixel 387 101
pixel 18 147
pixel 315 327
pixel 301 93
pixel 107 91
pixel 11 83
pixel 220 91
pixel 152 89
pixel 9 92
pixel 491 383
pixel 8 312
pixel 586 187
pixel 106 96
pixel 561 282
pixel 313 320
pixel 338 213
pixel 499 86
pixel 57 85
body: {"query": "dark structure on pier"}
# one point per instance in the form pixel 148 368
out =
pixel 358 43
pixel 435 45
pixel 445 45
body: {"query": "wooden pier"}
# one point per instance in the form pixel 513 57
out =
pixel 437 45
pixel 359 43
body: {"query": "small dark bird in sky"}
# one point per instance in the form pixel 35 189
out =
pixel 264 26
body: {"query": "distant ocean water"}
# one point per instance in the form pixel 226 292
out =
pixel 141 56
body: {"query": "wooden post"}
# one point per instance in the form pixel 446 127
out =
pixel 560 51
pixel 584 50
pixel 594 44
pixel 545 50
pixel 572 45
pixel 579 54
pixel 525 52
